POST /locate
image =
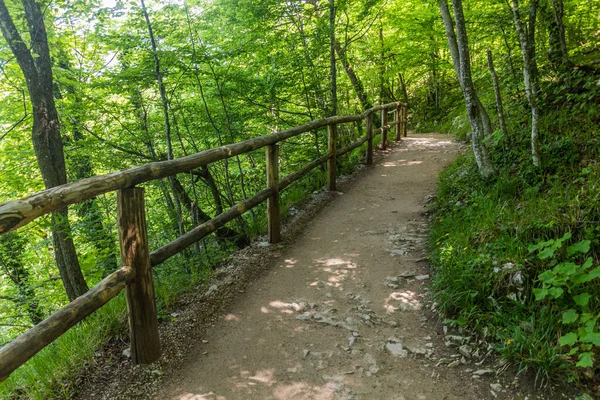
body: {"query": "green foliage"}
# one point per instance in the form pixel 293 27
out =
pixel 567 287
pixel 516 259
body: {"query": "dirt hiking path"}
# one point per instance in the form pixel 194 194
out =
pixel 340 313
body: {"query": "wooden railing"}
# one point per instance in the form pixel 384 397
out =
pixel 136 274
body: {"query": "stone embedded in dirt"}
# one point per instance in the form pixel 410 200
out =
pixel 481 372
pixel 351 340
pixel 335 378
pixel 127 353
pixel 399 252
pixel 454 363
pixel 396 349
pixel 422 277
pixel 496 387
pixel 174 315
pixel 465 350
pixel 305 353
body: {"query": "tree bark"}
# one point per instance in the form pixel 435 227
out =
pixel 527 42
pixel 559 12
pixel 498 94
pixel 354 79
pixel 165 109
pixel 47 141
pixel 332 62
pixel 459 50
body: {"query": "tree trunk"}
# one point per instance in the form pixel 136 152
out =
pixel 559 12
pixel 165 108
pixel 499 106
pixel 456 61
pixel 527 42
pixel 354 79
pixel 47 141
pixel 459 49
pixel 240 239
pixel 332 62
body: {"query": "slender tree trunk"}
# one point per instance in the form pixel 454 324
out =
pixel 332 62
pixel 381 67
pixel 559 12
pixel 527 42
pixel 499 106
pixel 459 50
pixel 403 88
pixel 354 79
pixel 165 108
pixel 47 141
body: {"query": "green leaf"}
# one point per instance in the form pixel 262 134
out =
pixel 547 277
pixel 566 268
pixel 581 247
pixel 585 317
pixel 588 263
pixel 593 338
pixel 569 316
pixel 546 253
pixel 566 236
pixel 540 294
pixel 568 340
pixel 555 292
pixel 595 273
pixel 586 360
pixel 582 299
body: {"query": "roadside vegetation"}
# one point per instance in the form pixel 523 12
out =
pixel 516 255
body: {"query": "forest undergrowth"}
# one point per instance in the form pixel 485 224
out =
pixel 516 258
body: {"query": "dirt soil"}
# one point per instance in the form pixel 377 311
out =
pixel 338 312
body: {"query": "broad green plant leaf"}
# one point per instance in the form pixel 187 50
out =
pixel 582 299
pixel 569 316
pixel 568 340
pixel 586 360
pixel 581 247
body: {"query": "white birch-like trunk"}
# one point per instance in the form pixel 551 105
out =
pixel 527 42
pixel 478 117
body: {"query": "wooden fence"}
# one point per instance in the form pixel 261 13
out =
pixel 136 274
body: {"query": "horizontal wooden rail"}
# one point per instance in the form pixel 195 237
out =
pixel 136 277
pixel 167 251
pixel 17 213
pixel 17 352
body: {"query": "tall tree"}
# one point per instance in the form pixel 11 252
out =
pixel 332 62
pixel 526 34
pixel 459 50
pixel 35 63
pixel 497 93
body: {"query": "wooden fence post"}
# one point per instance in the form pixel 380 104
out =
pixel 398 122
pixel 405 120
pixel 133 238
pixel 273 212
pixel 384 129
pixel 331 163
pixel 370 139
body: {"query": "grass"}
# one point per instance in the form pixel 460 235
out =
pixel 50 373
pixel 484 273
